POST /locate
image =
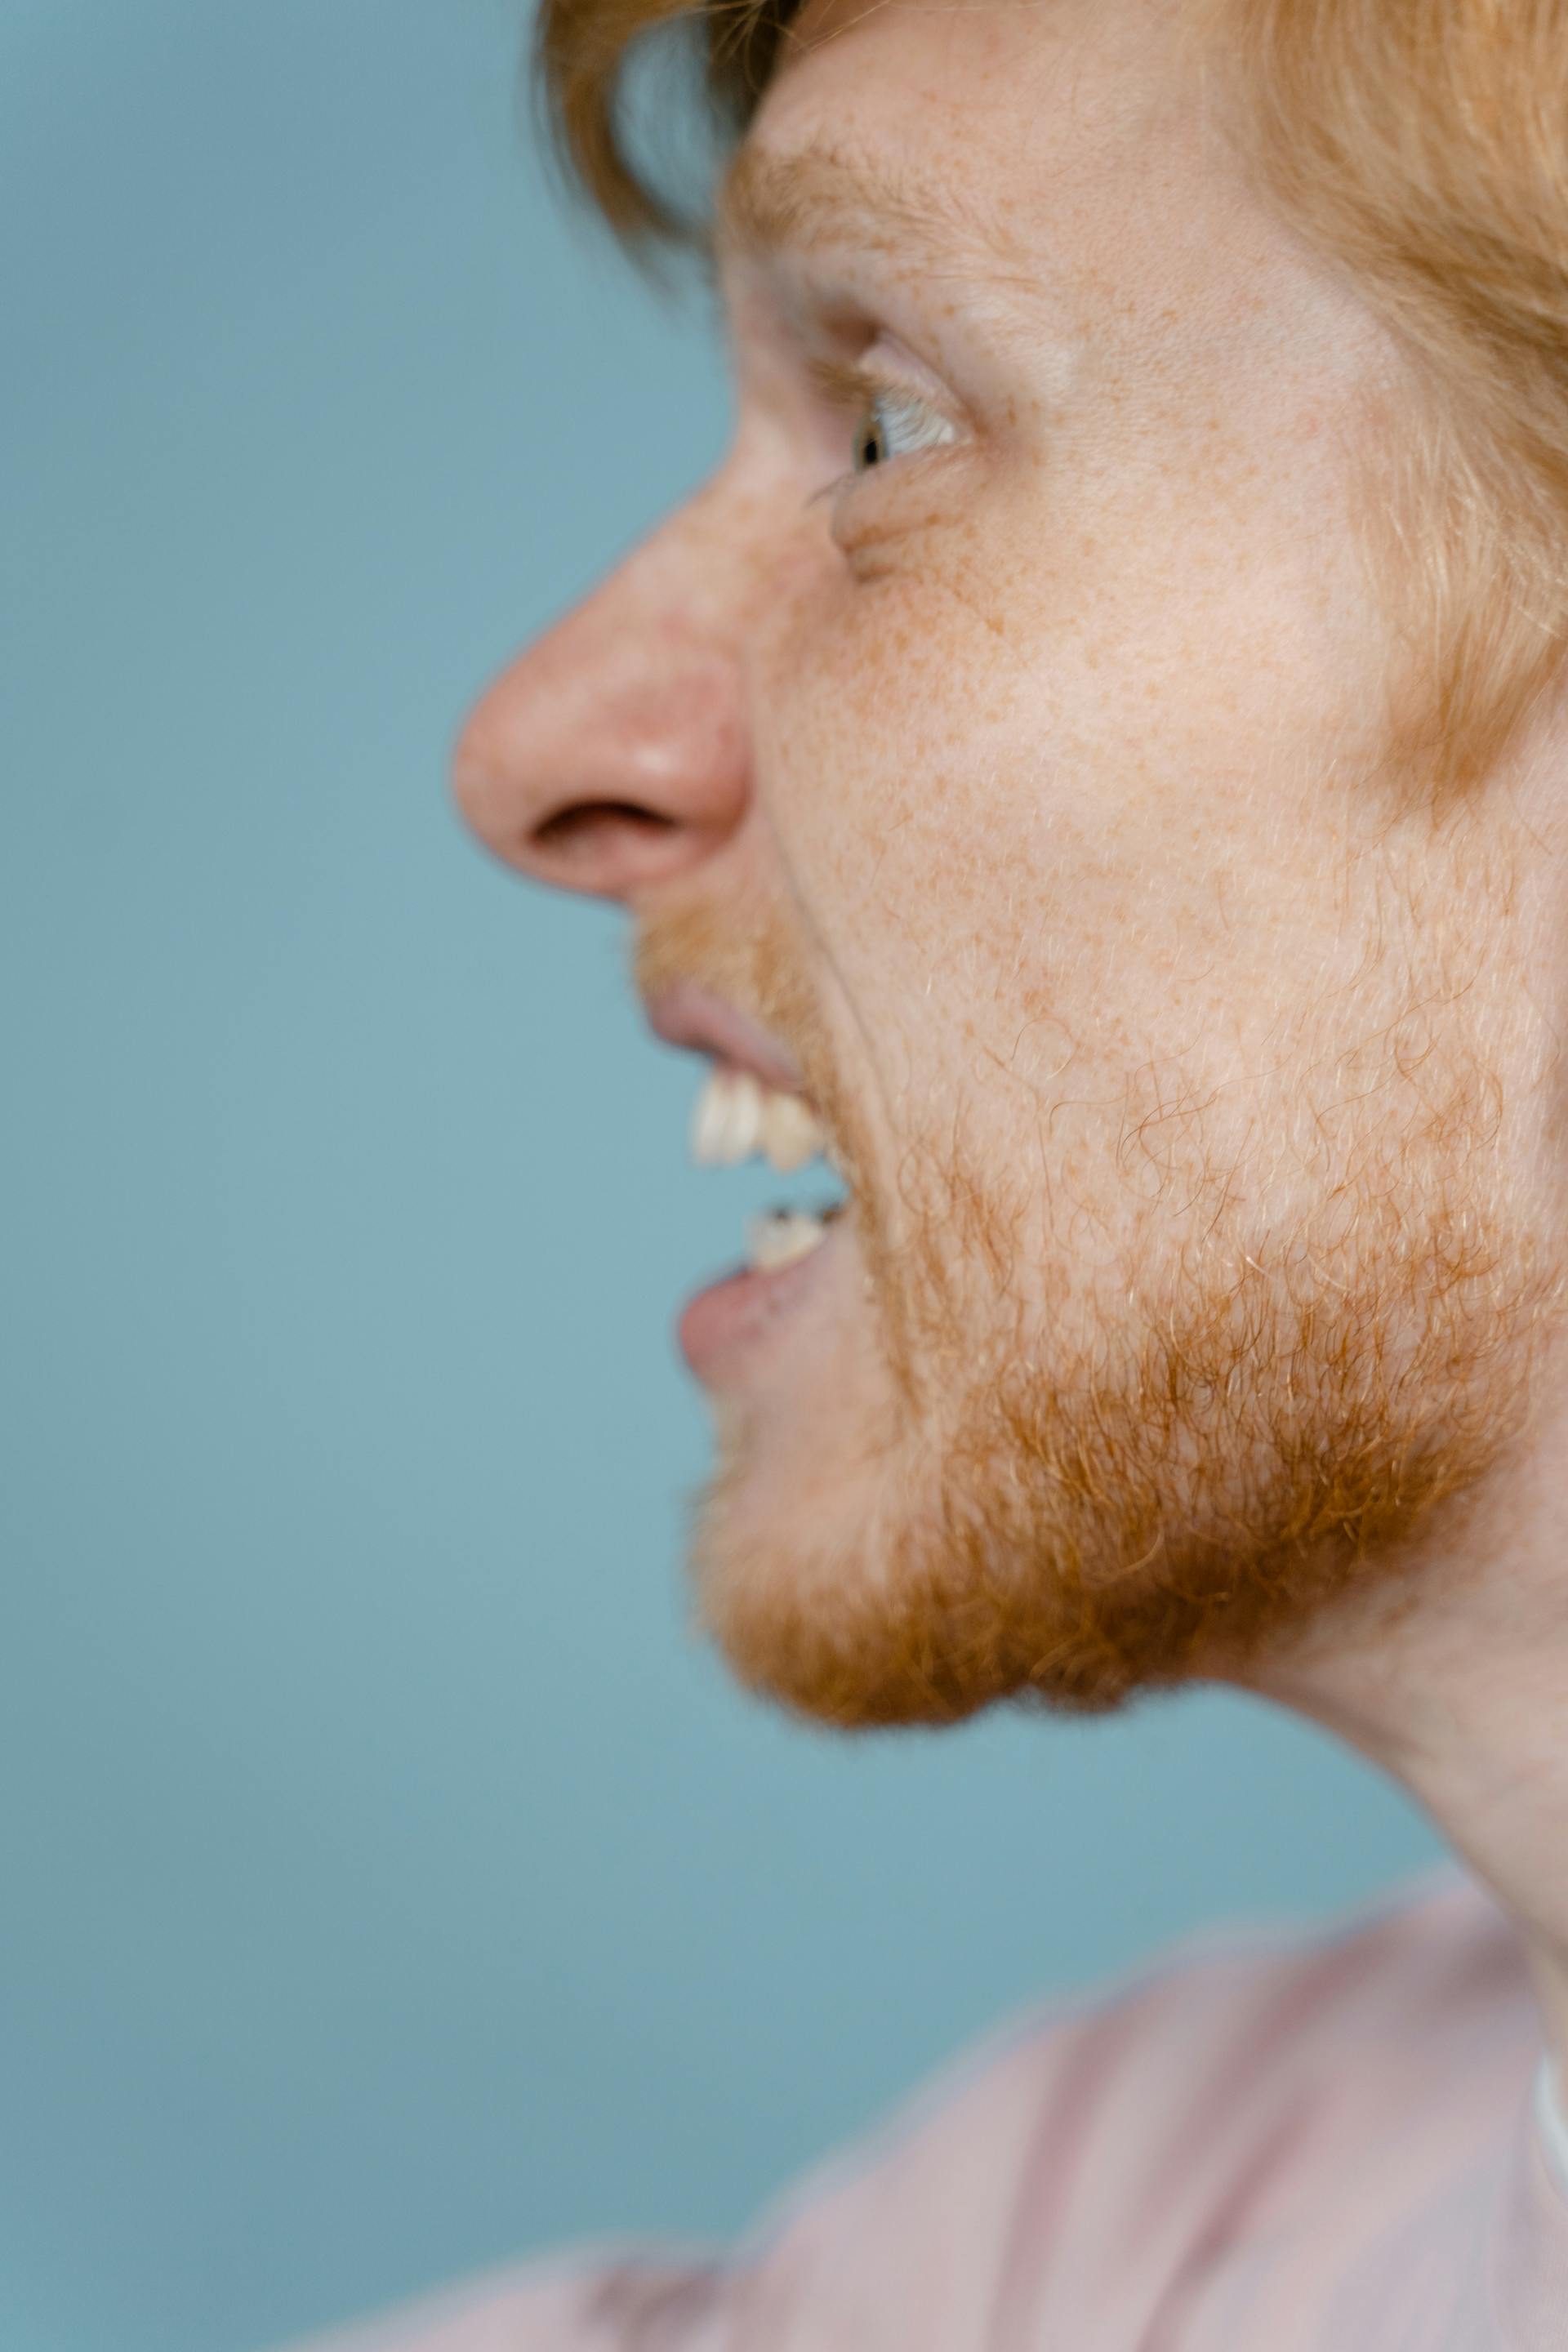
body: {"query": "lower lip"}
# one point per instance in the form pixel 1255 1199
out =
pixel 724 1324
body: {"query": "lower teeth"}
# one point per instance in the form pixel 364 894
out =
pixel 781 1237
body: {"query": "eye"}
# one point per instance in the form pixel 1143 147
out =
pixel 896 424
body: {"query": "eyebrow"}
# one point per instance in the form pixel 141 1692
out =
pixel 815 197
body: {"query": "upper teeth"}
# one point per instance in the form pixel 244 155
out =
pixel 736 1114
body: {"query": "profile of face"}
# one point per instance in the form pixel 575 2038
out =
pixel 989 754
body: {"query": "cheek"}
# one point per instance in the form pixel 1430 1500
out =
pixel 897 759
pixel 1094 725
pixel 985 826
pixel 901 785
pixel 1067 798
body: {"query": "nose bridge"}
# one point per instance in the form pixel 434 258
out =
pixel 613 753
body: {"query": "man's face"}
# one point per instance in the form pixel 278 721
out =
pixel 997 734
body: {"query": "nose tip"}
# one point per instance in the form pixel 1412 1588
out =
pixel 610 757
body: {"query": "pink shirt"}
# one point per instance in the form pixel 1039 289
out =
pixel 1344 2142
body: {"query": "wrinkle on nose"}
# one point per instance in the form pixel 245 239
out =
pixel 611 755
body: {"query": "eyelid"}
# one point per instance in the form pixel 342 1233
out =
pixel 850 385
pixel 843 384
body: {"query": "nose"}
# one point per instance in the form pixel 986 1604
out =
pixel 612 755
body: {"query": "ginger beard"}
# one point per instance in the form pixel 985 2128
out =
pixel 1008 1465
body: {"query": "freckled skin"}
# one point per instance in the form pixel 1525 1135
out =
pixel 1200 1093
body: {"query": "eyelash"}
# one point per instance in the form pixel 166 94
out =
pixel 858 392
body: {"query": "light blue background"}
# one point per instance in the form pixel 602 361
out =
pixel 389 1884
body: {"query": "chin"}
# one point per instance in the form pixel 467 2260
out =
pixel 1165 1504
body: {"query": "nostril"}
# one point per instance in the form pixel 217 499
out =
pixel 598 833
pixel 590 819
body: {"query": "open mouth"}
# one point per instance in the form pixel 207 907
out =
pixel 751 1105
pixel 739 1117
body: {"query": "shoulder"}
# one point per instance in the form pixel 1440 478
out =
pixel 1228 2015
pixel 1239 2062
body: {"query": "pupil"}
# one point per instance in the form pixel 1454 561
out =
pixel 870 444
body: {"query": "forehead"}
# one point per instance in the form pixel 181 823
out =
pixel 1047 135
pixel 1036 88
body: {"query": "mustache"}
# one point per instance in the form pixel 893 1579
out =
pixel 745 953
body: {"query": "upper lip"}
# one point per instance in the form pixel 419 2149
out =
pixel 688 1015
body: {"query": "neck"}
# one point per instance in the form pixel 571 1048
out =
pixel 1454 1679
